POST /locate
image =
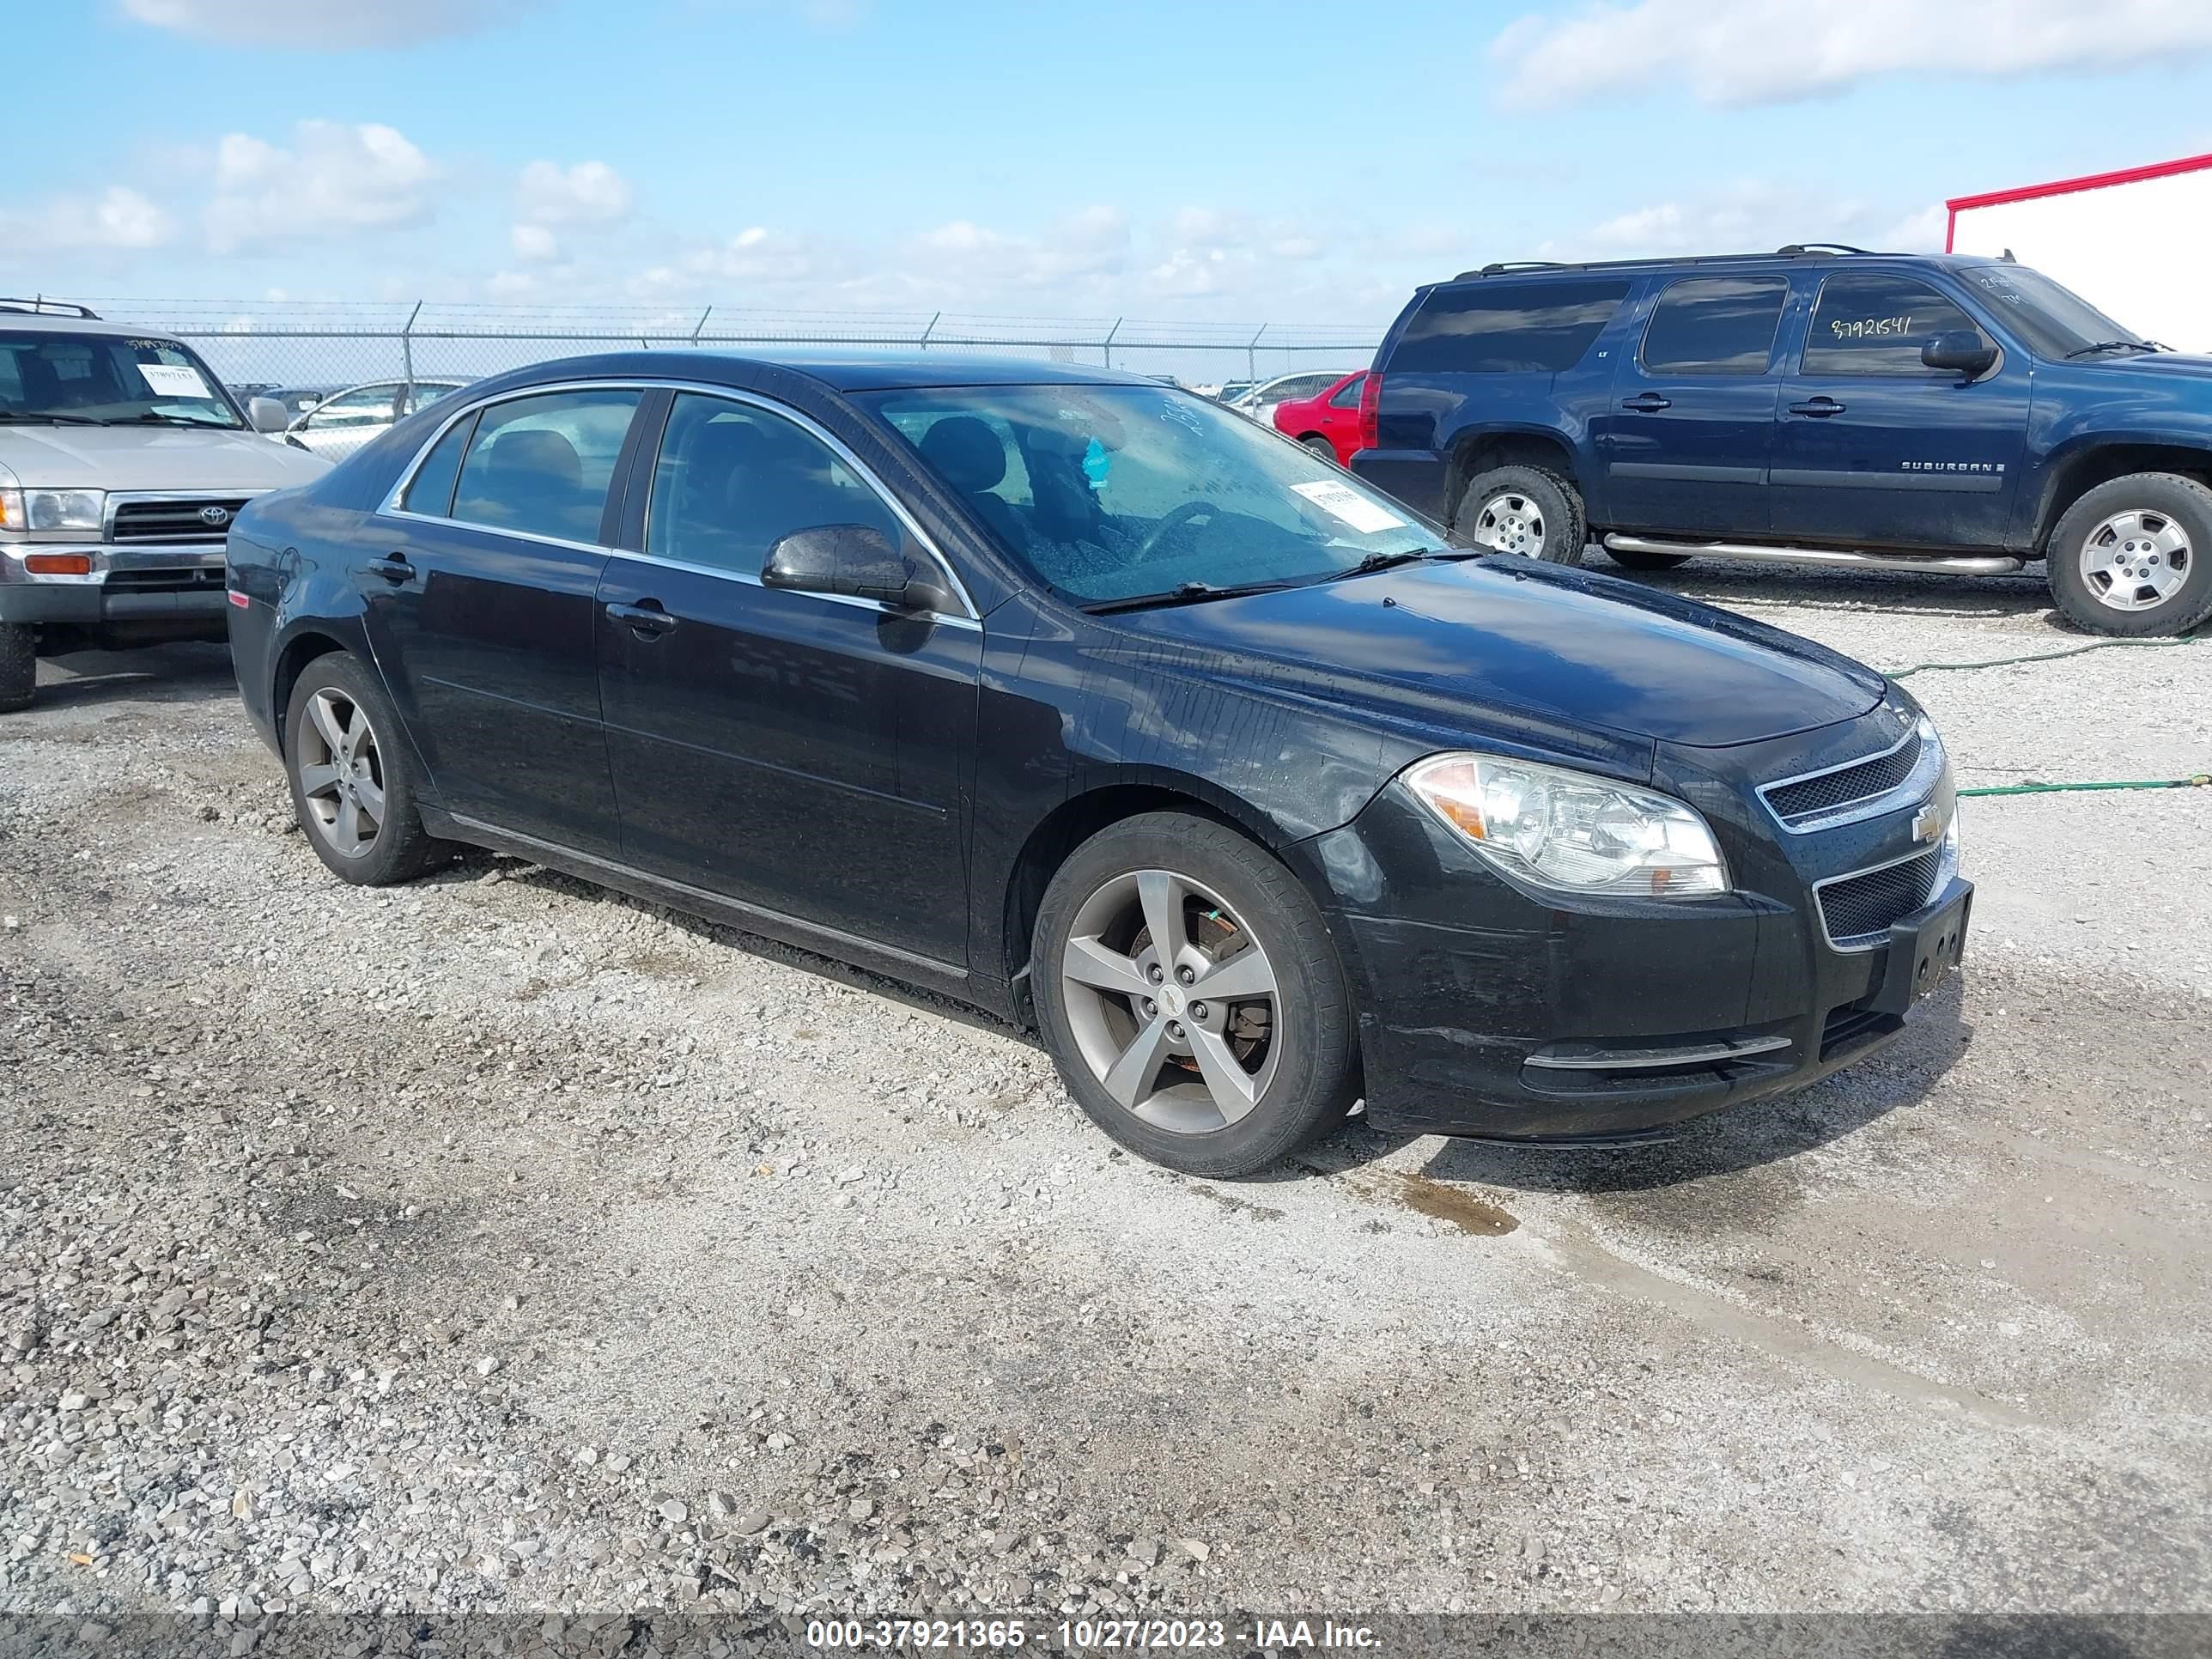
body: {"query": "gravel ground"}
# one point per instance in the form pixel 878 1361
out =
pixel 501 1243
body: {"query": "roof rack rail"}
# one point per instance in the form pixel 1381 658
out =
pixel 42 306
pixel 1793 249
pixel 1504 265
pixel 1670 261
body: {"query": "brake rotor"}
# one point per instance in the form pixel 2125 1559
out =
pixel 1217 937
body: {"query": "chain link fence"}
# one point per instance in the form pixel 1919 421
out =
pixel 328 344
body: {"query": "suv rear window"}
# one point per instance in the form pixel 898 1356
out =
pixel 1487 328
pixel 1715 325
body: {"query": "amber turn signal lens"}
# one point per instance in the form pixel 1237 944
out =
pixel 58 564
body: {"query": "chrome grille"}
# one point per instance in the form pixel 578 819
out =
pixel 141 522
pixel 1857 910
pixel 1803 800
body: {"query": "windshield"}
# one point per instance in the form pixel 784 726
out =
pixel 1108 493
pixel 107 380
pixel 2052 320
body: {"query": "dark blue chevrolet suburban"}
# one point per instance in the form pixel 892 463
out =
pixel 1819 404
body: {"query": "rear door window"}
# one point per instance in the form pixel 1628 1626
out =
pixel 1347 395
pixel 541 465
pixel 1497 328
pixel 1715 325
pixel 1870 323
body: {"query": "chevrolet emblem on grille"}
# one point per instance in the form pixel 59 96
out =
pixel 1927 823
pixel 215 517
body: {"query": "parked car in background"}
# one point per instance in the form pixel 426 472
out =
pixel 1329 422
pixel 980 674
pixel 1259 403
pixel 299 399
pixel 1818 405
pixel 122 462
pixel 1230 391
pixel 342 423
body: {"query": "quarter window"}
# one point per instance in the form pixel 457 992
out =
pixel 732 480
pixel 1715 325
pixel 1487 328
pixel 541 465
pixel 1872 324
pixel 431 489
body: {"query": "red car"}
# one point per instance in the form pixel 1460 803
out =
pixel 1327 421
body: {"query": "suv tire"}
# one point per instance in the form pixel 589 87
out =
pixel 2133 558
pixel 19 666
pixel 1524 510
pixel 1219 1085
pixel 353 775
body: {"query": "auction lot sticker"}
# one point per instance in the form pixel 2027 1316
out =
pixel 1342 502
pixel 174 380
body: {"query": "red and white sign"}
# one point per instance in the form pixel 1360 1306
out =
pixel 2135 244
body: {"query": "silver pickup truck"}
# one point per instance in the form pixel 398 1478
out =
pixel 122 462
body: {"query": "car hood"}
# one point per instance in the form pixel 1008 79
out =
pixel 1570 647
pixel 152 457
pixel 2166 365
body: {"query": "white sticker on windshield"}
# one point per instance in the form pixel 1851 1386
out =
pixel 1342 502
pixel 174 380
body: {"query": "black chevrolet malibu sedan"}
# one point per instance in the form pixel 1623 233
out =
pixel 1075 696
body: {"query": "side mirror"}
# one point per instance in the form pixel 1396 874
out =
pixel 1961 351
pixel 855 561
pixel 267 415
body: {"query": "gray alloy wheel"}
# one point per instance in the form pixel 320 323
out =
pixel 341 770
pixel 352 775
pixel 1172 1002
pixel 2136 560
pixel 1509 522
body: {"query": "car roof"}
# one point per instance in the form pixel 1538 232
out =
pixel 55 322
pixel 1793 257
pixel 841 372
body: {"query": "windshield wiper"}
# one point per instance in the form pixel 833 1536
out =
pixel 2112 346
pixel 1186 594
pixel 1374 561
pixel 152 417
pixel 25 417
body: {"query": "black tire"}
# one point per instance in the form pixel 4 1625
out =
pixel 19 666
pixel 1634 558
pixel 1559 528
pixel 2179 509
pixel 1305 1070
pixel 1321 447
pixel 400 848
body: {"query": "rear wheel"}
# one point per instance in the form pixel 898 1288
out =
pixel 1189 991
pixel 1524 510
pixel 2134 556
pixel 352 781
pixel 1321 447
pixel 19 666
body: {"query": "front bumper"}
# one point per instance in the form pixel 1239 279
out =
pixel 1489 1012
pixel 176 588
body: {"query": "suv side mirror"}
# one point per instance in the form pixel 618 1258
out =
pixel 1961 351
pixel 855 561
pixel 267 415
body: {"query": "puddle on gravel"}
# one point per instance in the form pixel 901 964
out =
pixel 1433 1198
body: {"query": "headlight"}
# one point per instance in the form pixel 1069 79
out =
pixel 24 510
pixel 1570 830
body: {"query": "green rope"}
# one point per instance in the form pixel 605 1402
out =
pixel 2037 656
pixel 2202 779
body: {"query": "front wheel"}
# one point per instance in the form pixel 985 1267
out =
pixel 1524 510
pixel 19 666
pixel 1190 995
pixel 2134 556
pixel 352 775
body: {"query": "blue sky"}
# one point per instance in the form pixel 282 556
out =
pixel 1290 162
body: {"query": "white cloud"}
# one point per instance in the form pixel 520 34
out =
pixel 1757 52
pixel 1752 216
pixel 534 243
pixel 335 179
pixel 322 25
pixel 588 193
pixel 118 219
